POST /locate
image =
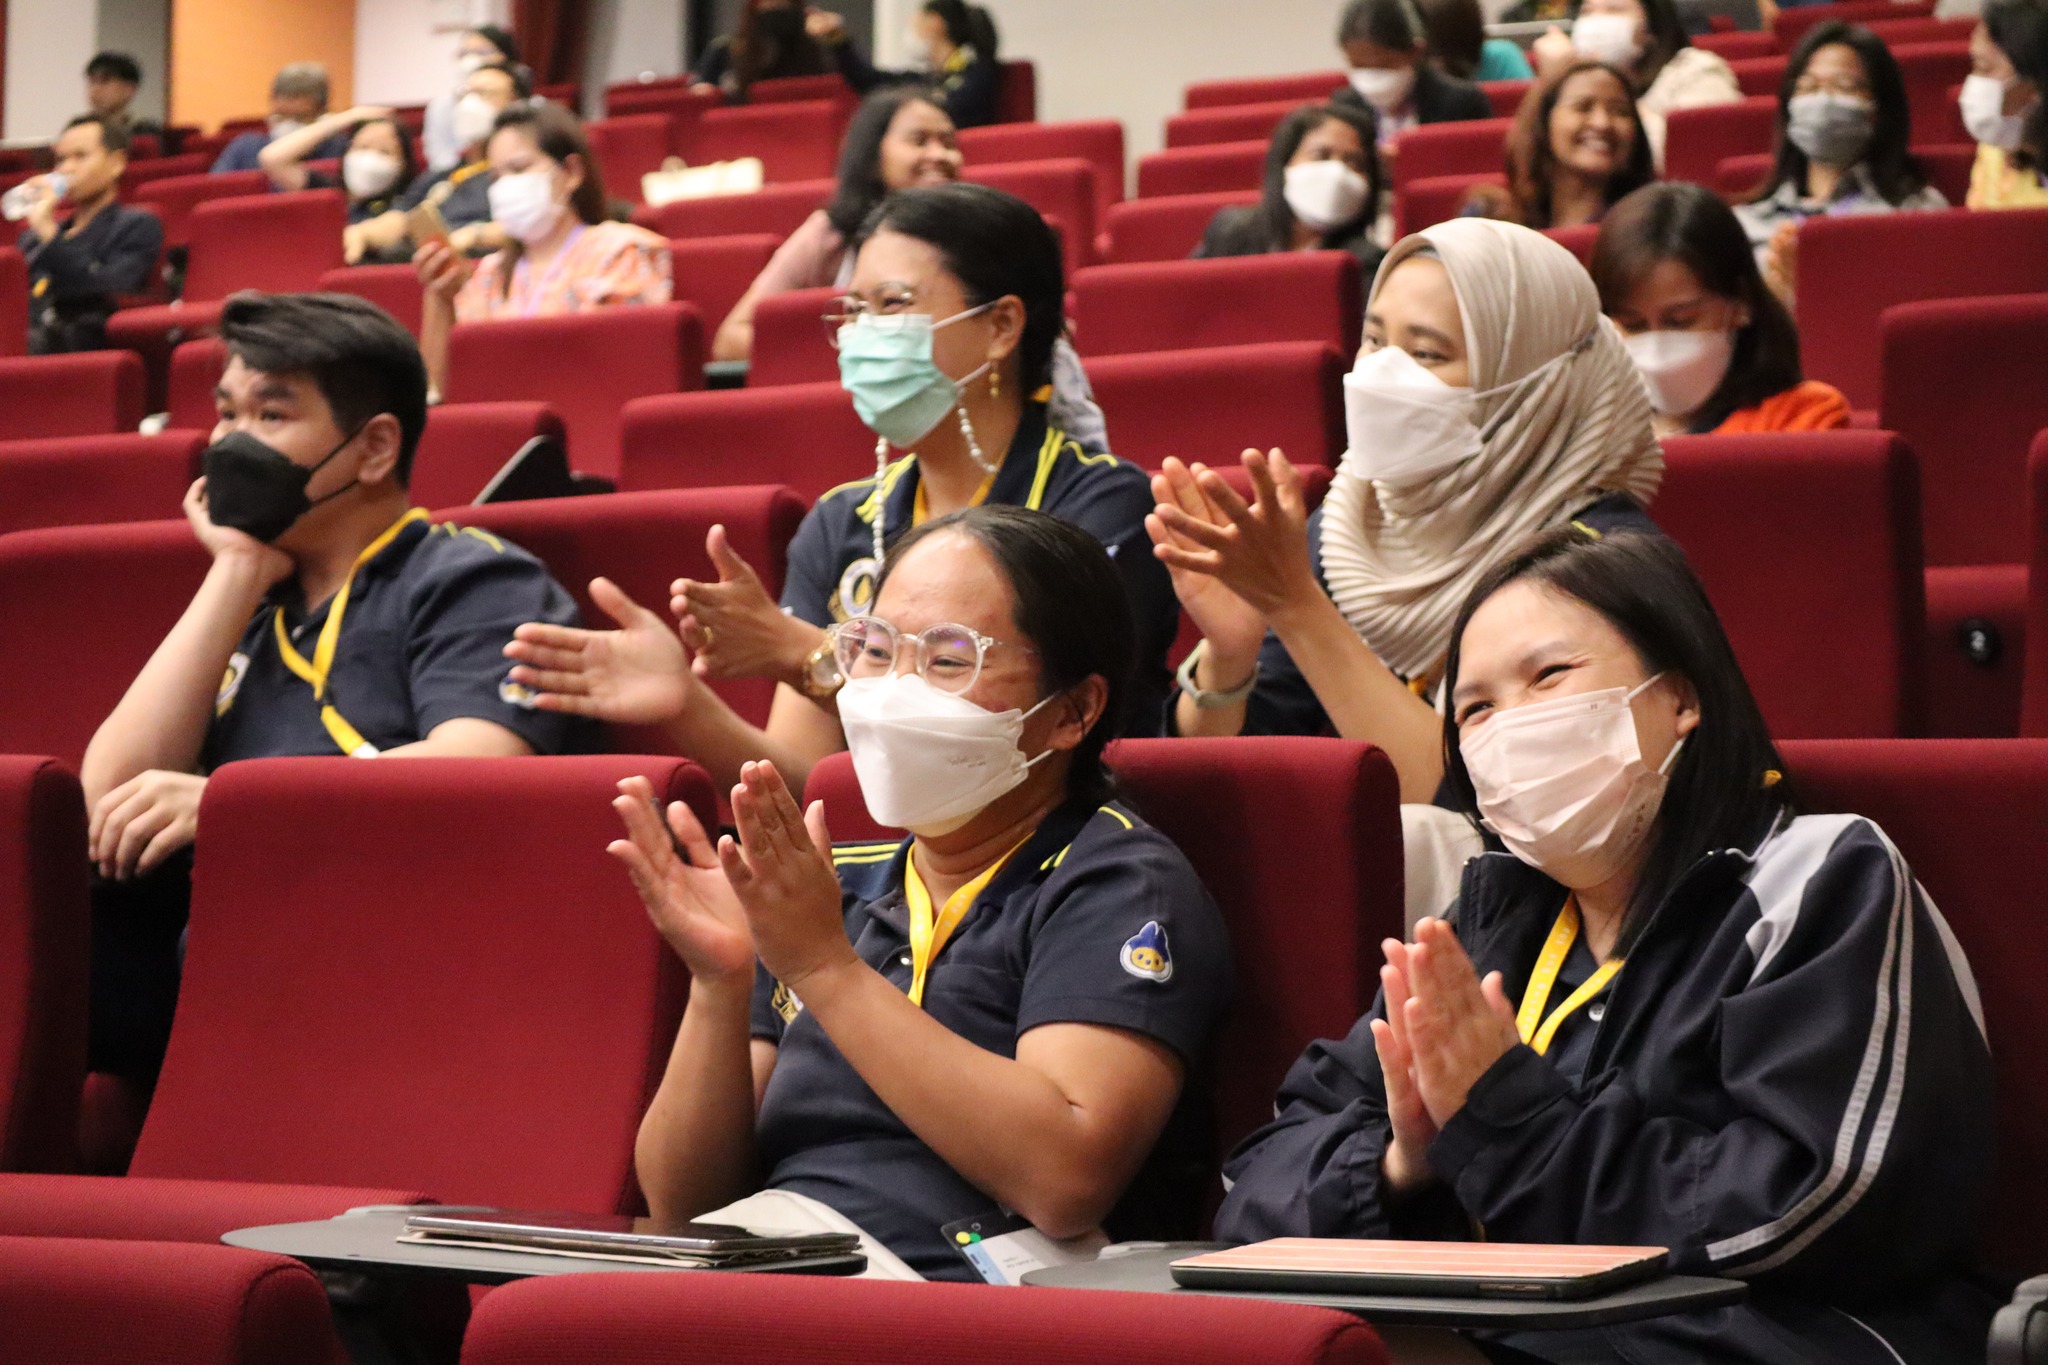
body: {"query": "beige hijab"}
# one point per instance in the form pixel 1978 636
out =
pixel 1400 562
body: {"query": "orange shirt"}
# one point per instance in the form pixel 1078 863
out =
pixel 1809 406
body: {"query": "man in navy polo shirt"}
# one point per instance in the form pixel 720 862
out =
pixel 334 620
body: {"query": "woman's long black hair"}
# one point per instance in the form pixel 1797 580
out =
pixel 860 155
pixel 1276 220
pixel 1892 168
pixel 1728 781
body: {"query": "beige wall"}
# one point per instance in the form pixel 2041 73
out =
pixel 224 52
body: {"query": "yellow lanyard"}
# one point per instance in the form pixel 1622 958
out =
pixel 322 664
pixel 1537 1031
pixel 928 936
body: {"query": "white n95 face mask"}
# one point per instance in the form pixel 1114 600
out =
pixel 1384 88
pixel 1681 369
pixel 1564 785
pixel 1325 194
pixel 1405 425
pixel 929 761
pixel 1609 38
pixel 367 172
pixel 473 119
pixel 1983 108
pixel 524 205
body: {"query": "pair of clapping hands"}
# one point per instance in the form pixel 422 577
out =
pixel 1235 564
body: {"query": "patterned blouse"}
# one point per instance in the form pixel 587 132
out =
pixel 603 265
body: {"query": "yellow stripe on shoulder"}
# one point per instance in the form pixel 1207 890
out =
pixel 1116 814
pixel 1581 526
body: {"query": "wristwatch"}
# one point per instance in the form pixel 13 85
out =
pixel 820 676
pixel 1211 701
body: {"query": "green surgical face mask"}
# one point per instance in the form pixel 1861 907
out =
pixel 885 362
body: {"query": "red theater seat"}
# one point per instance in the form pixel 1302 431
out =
pixel 1947 169
pixel 85 480
pixel 777 210
pixel 79 1302
pixel 91 393
pixel 1017 93
pixel 713 272
pixel 798 140
pixel 1931 71
pixel 1203 170
pixel 196 368
pixel 1697 141
pixel 1228 123
pixel 1212 404
pixel 2034 705
pixel 1062 191
pixel 644 542
pixel 791 345
pixel 806 437
pixel 1180 305
pixel 1313 85
pixel 13 302
pixel 1967 815
pixel 1579 240
pixel 1472 147
pixel 785 89
pixel 628 147
pixel 629 352
pixel 1506 96
pixel 1759 76
pixel 1425 203
pixel 174 198
pixel 1825 613
pixel 1793 23
pixel 478 1017
pixel 1099 142
pixel 775 1319
pixel 44 922
pixel 1735 47
pixel 1902 32
pixel 1164 229
pixel 465 444
pixel 140 173
pixel 1852 268
pixel 394 288
pixel 131 581
pixel 673 98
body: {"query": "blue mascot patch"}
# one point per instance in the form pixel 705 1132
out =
pixel 1144 954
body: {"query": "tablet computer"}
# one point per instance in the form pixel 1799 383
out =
pixel 706 1244
pixel 1478 1270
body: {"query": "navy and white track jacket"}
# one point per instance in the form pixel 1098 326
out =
pixel 1789 1084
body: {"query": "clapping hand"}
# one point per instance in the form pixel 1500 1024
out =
pixel 1259 550
pixel 635 675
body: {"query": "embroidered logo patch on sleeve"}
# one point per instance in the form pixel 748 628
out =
pixel 1144 954
pixel 518 694
pixel 785 1004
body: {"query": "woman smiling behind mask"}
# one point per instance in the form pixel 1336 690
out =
pixel 1322 191
pixel 1716 348
pixel 2004 108
pixel 1656 1020
pixel 1033 1057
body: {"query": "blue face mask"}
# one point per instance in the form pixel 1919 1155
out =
pixel 885 362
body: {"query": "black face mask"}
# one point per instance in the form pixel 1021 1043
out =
pixel 255 489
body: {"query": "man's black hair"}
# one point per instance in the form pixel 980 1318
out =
pixel 114 66
pixel 501 39
pixel 113 132
pixel 356 354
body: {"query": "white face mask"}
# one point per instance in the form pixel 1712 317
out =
pixel 1406 426
pixel 368 172
pixel 1984 118
pixel 1325 194
pixel 524 205
pixel 473 118
pixel 1681 369
pixel 1564 785
pixel 1609 38
pixel 929 761
pixel 1384 88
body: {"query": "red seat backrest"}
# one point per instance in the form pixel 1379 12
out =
pixel 1947 168
pixel 466 444
pixel 1227 123
pixel 713 272
pixel 1099 142
pixel 1792 23
pixel 92 393
pixel 804 436
pixel 784 89
pixel 13 302
pixel 521 1001
pixel 1062 191
pixel 1758 76
pixel 1825 613
pixel 628 147
pixel 1203 170
pixel 281 243
pixel 1977 356
pixel 1735 47
pixel 798 140
pixel 1017 92
pixel 1931 71
pixel 196 368
pixel 673 98
pixel 1697 141
pixel 394 288
pixel 142 173
pixel 1578 239
pixel 1902 32
pixel 643 542
pixel 1506 96
pixel 87 480
pixel 1180 305
pixel 1472 147
pixel 1306 899
pixel 1853 267
pixel 1968 815
pixel 632 352
pixel 1212 404
pixel 44 923
pixel 1425 203
pixel 175 198
pixel 1313 85
pixel 791 345
pixel 1165 229
pixel 2034 694
pixel 131 580
pixel 774 209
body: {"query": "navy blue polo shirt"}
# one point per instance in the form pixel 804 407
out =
pixel 422 641
pixel 467 199
pixel 832 559
pixel 1098 919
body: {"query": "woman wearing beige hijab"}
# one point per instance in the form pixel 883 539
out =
pixel 1490 402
